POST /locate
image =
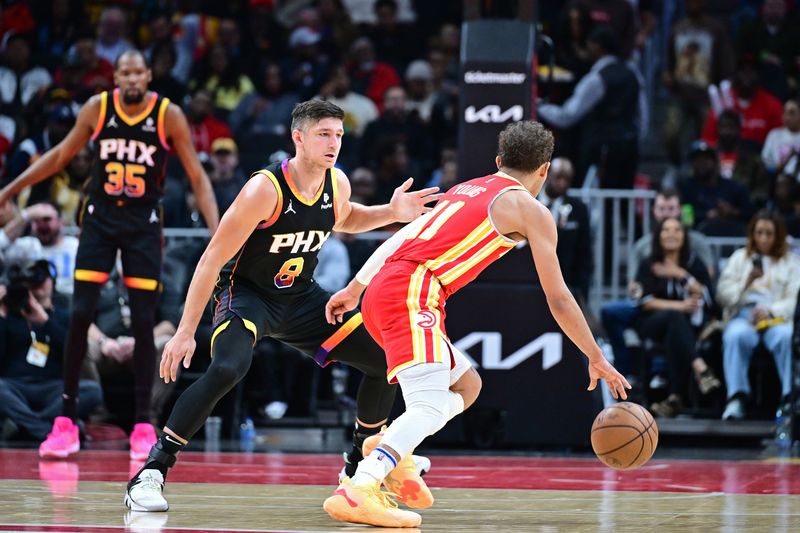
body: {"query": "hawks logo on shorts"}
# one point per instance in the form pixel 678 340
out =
pixel 426 319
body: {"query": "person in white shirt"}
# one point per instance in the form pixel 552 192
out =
pixel 783 142
pixel 358 109
pixel 757 291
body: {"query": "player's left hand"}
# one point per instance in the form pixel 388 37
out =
pixel 343 301
pixel 406 206
pixel 602 369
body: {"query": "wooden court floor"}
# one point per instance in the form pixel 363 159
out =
pixel 284 492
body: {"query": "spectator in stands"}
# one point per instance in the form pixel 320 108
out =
pixel 66 189
pixel 395 43
pixel 263 33
pixel 32 335
pixel 229 36
pixel 335 26
pixel 738 162
pixel 56 30
pixel 617 14
pixel 204 126
pixel 363 186
pixel 227 178
pixel 358 109
pixel 698 55
pixel 606 104
pixel 711 196
pixel 396 122
pixel 159 34
pixel 419 84
pixel 675 301
pixel 82 72
pixel 572 220
pixel 111 31
pixel 20 79
pixel 619 316
pixel 782 142
pixel 758 292
pixel 760 111
pixel 306 69
pixel 59 121
pixel 392 168
pixel 58 249
pixel 221 76
pixel 572 50
pixel 773 38
pixel 446 175
pixel 268 109
pixel 162 60
pixel 370 76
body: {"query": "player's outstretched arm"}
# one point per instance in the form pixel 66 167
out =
pixel 403 207
pixel 517 213
pixel 257 201
pixel 60 155
pixel 178 132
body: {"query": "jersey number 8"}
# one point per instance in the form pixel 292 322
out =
pixel 125 178
pixel 290 270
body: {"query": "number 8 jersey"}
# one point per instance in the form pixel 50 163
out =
pixel 130 152
pixel 280 256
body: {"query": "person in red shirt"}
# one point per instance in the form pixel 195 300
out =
pixel 204 126
pixel 411 276
pixel 760 111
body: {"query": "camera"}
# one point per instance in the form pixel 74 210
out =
pixel 22 278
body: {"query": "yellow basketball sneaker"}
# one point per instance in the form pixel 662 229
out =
pixel 367 505
pixel 404 481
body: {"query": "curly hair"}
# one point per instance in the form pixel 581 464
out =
pixel 525 145
pixel 312 111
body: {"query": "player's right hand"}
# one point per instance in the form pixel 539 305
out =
pixel 340 303
pixel 180 347
pixel 616 382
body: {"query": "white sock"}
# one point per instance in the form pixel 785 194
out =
pixel 455 404
pixel 374 467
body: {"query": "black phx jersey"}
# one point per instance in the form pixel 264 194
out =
pixel 280 256
pixel 130 152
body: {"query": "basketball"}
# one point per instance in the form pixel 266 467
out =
pixel 624 436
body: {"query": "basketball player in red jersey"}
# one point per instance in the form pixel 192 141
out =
pixel 133 129
pixel 411 276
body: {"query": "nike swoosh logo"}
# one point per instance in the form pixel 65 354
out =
pixel 343 493
pixel 173 440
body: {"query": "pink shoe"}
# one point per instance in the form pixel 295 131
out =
pixel 63 441
pixel 143 438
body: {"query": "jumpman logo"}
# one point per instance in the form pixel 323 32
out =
pixel 290 209
pixel 112 122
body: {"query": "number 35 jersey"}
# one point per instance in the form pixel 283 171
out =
pixel 280 255
pixel 130 152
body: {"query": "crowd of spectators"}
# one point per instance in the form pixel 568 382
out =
pixel 707 88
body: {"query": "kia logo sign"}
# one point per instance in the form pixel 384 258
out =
pixel 491 342
pixel 493 114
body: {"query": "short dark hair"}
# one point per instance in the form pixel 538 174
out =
pixel 604 36
pixel 525 145
pixel 669 192
pixel 312 111
pixel 132 52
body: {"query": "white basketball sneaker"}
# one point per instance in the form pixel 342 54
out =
pixel 145 492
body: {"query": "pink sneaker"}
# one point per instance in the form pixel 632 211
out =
pixel 63 441
pixel 143 438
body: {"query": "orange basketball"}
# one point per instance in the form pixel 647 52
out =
pixel 624 435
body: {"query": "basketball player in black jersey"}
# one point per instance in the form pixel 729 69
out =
pixel 261 261
pixel 133 129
